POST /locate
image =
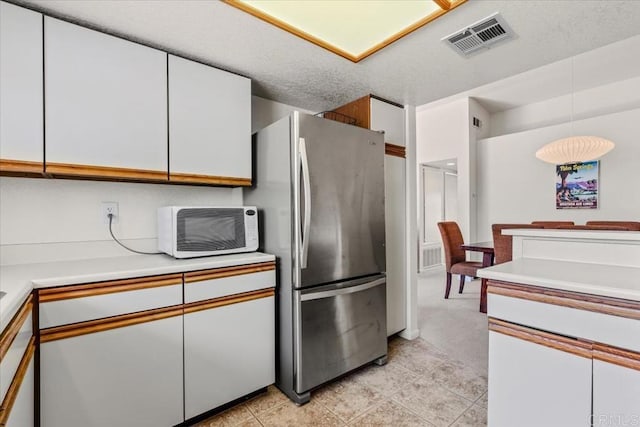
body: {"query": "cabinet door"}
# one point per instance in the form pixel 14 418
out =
pixel 209 124
pixel 128 376
pixel 616 389
pixel 390 119
pixel 394 189
pixel 21 147
pixel 106 105
pixel 21 414
pixel 534 385
pixel 229 351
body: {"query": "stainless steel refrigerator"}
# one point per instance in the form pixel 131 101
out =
pixel 319 188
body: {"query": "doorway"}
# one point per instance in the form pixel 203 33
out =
pixel 439 202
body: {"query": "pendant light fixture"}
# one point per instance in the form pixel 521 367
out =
pixel 574 148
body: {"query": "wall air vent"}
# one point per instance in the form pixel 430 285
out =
pixel 480 35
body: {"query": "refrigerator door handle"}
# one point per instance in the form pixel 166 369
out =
pixel 306 221
pixel 343 291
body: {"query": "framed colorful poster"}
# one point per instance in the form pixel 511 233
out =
pixel 577 185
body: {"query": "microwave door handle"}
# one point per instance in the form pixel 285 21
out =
pixel 306 220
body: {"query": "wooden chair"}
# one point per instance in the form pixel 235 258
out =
pixel 503 243
pixel 629 225
pixel 455 258
pixel 552 224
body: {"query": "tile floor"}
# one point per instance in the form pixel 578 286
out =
pixel 420 386
pixel 439 379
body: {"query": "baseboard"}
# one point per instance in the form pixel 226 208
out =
pixel 410 334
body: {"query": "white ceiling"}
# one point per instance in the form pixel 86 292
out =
pixel 415 70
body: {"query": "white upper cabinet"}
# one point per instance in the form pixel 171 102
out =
pixel 390 119
pixel 21 87
pixel 209 124
pixel 105 103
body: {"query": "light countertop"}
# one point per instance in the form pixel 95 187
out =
pixel 558 233
pixel 595 279
pixel 19 280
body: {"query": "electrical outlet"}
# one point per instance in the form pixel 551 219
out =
pixel 109 208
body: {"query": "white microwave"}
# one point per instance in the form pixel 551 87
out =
pixel 193 231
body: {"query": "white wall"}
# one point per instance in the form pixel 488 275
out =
pixel 264 112
pixel 54 219
pixel 443 133
pixel 514 186
pixel 605 99
pixel 446 132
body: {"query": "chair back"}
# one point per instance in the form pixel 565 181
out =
pixel 629 225
pixel 552 224
pixel 451 240
pixel 503 244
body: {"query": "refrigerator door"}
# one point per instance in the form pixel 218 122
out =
pixel 341 201
pixel 341 327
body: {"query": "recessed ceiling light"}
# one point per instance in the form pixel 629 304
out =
pixel 451 164
pixel 353 29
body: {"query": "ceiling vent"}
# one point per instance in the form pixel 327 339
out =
pixel 480 35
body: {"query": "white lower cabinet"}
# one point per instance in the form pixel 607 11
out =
pixel 126 376
pixel 155 351
pixel 535 385
pixel 610 407
pixel 229 351
pixel 22 411
pixel 560 358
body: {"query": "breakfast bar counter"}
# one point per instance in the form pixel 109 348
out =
pixel 564 329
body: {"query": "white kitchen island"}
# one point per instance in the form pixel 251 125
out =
pixel 564 330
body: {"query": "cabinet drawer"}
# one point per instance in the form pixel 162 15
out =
pixel 598 319
pixel 79 303
pixel 208 284
pixel 14 342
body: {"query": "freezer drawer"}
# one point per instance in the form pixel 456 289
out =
pixel 342 327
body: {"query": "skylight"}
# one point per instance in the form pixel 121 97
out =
pixel 353 29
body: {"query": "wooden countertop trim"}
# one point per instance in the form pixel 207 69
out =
pixel 14 387
pixel 100 325
pixel 228 300
pixel 395 150
pixel 21 167
pixel 105 172
pixel 444 4
pixel 218 273
pixel 191 178
pixel 617 356
pixel 14 326
pixel 101 288
pixel 598 304
pixel 568 345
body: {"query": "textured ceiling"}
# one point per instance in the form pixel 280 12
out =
pixel 415 70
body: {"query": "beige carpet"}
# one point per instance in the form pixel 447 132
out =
pixel 454 325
